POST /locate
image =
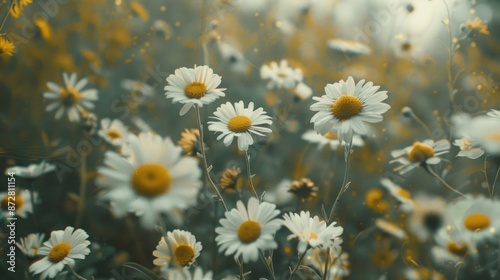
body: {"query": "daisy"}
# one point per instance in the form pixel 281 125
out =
pixel 184 274
pixel 305 189
pixel 466 148
pixel 233 57
pixel 70 98
pixel 347 106
pixel 238 121
pixel 179 247
pixel 403 196
pixel 476 218
pixel 154 178
pixel 390 228
pixel 428 216
pixel 485 133
pixel 348 46
pixel 281 76
pixel 61 249
pixel 140 89
pixel 310 231
pixel 420 154
pixel 32 171
pixel 451 247
pixel 113 131
pixel 246 230
pixel 31 244
pixel 22 203
pixel 302 91
pixel 330 139
pixel 193 86
pixel 190 141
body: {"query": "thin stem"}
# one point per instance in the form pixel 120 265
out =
pixel 486 175
pixel 32 199
pixel 348 149
pixel 6 15
pixel 443 181
pixel 204 158
pixel 327 259
pixel 296 268
pixel 249 173
pixel 269 269
pixel 422 124
pixel 495 182
pixel 240 265
pixel 82 191
pixel 74 273
pixel 206 58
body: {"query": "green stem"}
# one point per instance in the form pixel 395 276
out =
pixel 296 268
pixel 443 181
pixel 345 181
pixel 74 273
pixel 6 14
pixel 249 173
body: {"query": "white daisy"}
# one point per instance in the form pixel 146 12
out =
pixel 31 171
pixel 330 139
pixel 347 106
pixel 419 154
pixel 153 179
pixel 239 122
pixel 184 274
pixel 22 203
pixel 403 196
pixel 302 91
pixel 193 86
pixel 281 76
pixel 114 132
pixel 140 89
pixel 348 46
pixel 485 133
pixel 179 247
pixel 61 249
pixel 428 216
pixel 466 148
pixel 311 231
pixel 70 98
pixel 451 247
pixel 476 218
pixel 390 228
pixel 233 57
pixel 246 230
pixel 31 244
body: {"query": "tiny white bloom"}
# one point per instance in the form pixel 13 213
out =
pixel 21 200
pixel 485 133
pixel 347 106
pixel 179 247
pixel 348 46
pixel 233 57
pixel 311 231
pixel 63 247
pixel 451 246
pixel 402 195
pixel 70 98
pixel 281 76
pixel 140 89
pixel 390 228
pixel 184 274
pixel 154 178
pixel 31 244
pixel 466 148
pixel 419 154
pixel 302 91
pixel 240 122
pixel 193 86
pixel 31 171
pixel 330 139
pixel 114 132
pixel 246 230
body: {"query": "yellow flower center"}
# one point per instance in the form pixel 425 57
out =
pixel 456 249
pixel 151 180
pixel 195 90
pixel 59 252
pixel 404 193
pixel 18 202
pixel 69 97
pixel 477 221
pixel 330 135
pixel 239 124
pixel 313 236
pixel 35 250
pixel 184 254
pixel 249 231
pixel 346 107
pixel 420 152
pixel 114 134
pixel 494 136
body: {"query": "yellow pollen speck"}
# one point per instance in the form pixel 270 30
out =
pixel 195 90
pixel 249 231
pixel 239 124
pixel 346 107
pixel 151 180
pixel 477 222
pixel 184 254
pixel 420 152
pixel 59 252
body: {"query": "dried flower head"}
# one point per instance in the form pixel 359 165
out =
pixel 6 47
pixel 229 181
pixel 189 141
pixel 305 189
pixel 478 25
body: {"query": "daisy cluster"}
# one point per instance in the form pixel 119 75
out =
pixel 263 139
